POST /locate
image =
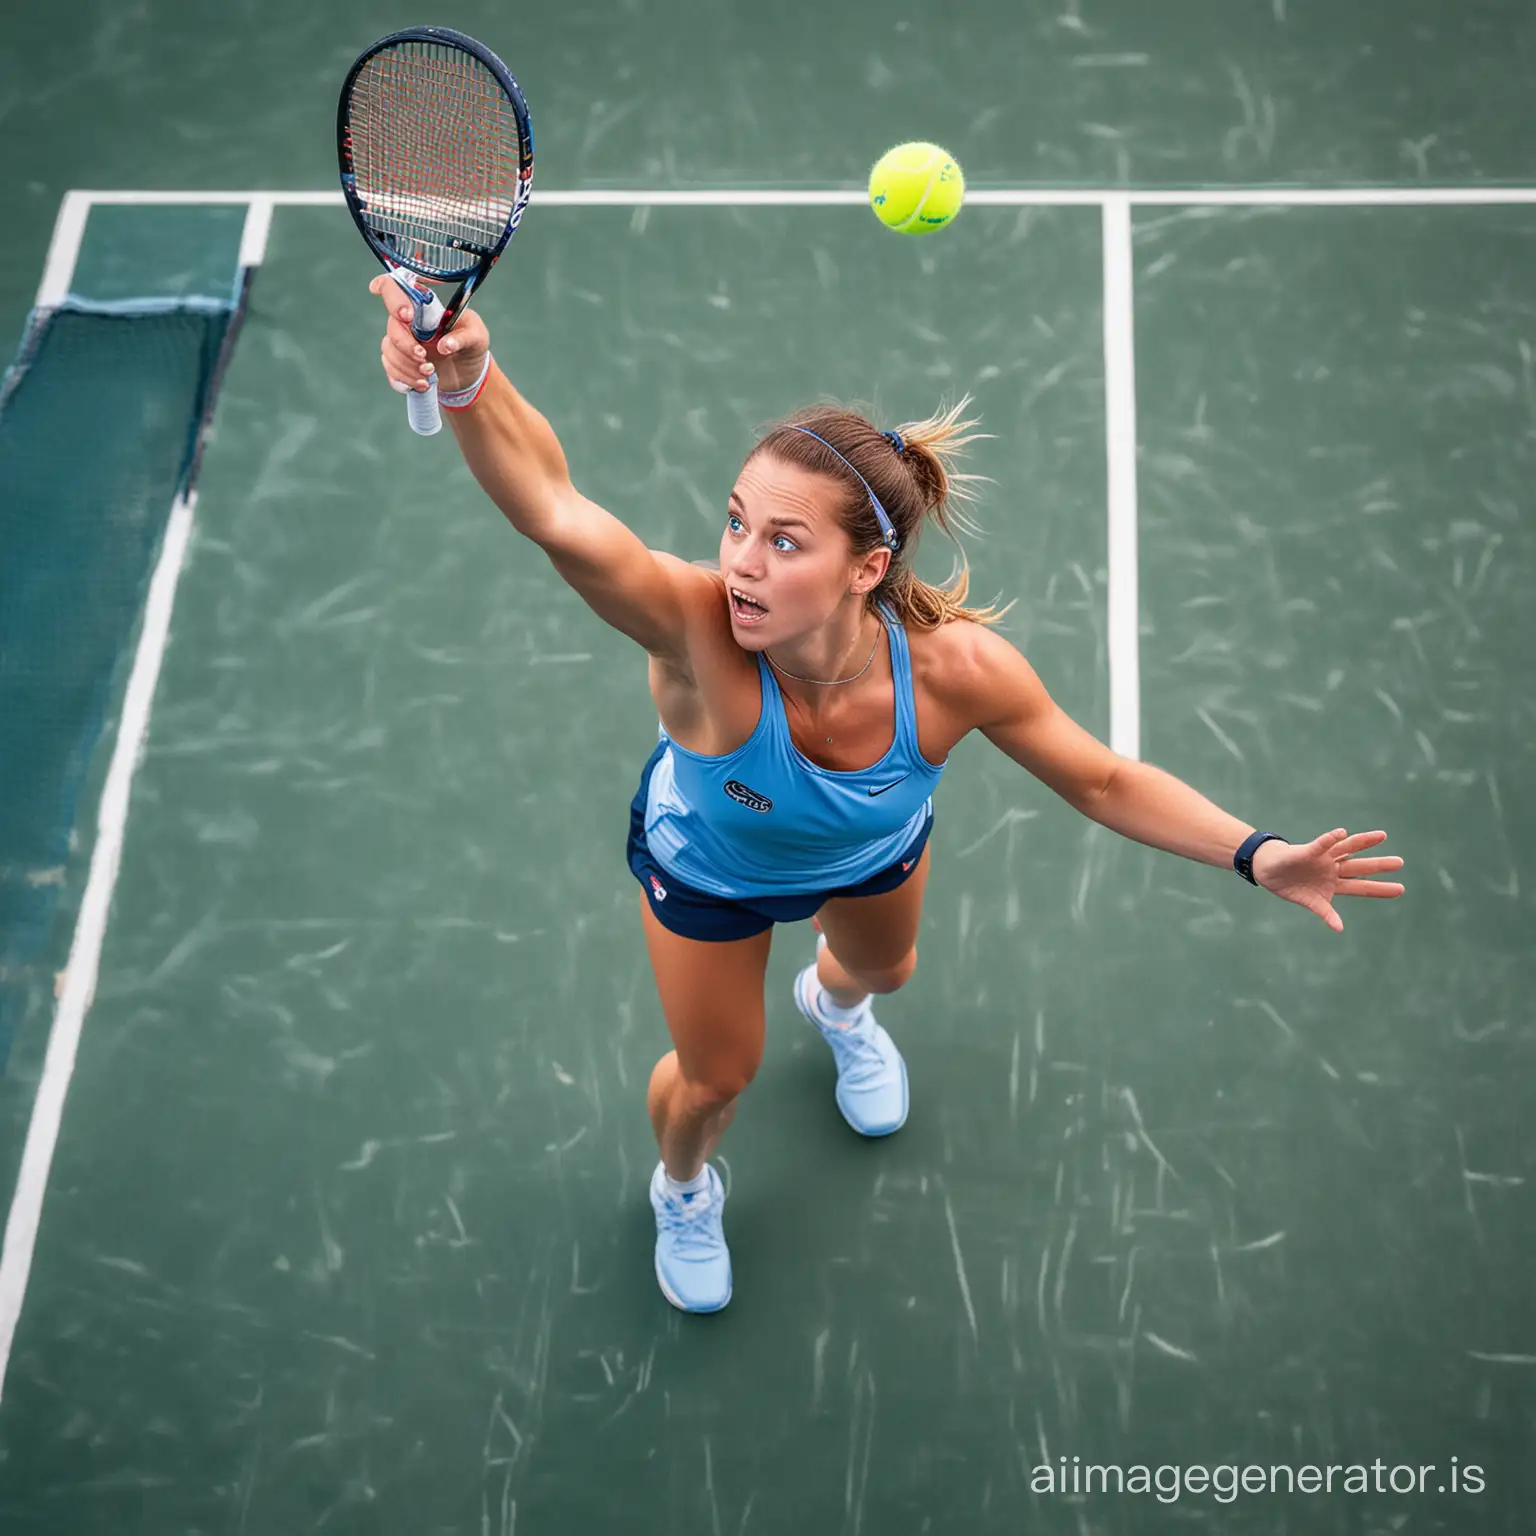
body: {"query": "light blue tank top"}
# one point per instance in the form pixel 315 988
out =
pixel 765 820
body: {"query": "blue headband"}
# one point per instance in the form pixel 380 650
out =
pixel 887 529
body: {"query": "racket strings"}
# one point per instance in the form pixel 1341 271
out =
pixel 436 152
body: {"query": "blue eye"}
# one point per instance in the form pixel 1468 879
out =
pixel 781 541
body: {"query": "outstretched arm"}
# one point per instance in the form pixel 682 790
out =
pixel 514 454
pixel 1144 803
pixel 1153 807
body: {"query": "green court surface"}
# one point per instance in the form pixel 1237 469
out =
pixel 347 1227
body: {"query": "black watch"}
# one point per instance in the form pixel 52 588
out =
pixel 1242 860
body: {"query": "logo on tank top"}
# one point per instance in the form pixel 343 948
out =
pixel 747 797
pixel 880 789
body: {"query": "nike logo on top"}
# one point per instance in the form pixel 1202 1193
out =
pixel 880 789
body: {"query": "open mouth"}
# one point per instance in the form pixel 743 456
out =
pixel 744 609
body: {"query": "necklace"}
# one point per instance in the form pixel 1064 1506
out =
pixel 836 682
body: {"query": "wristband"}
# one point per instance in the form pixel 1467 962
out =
pixel 1242 860
pixel 462 399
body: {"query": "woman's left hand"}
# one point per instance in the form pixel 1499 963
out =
pixel 1312 874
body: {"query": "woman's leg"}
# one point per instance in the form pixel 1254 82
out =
pixel 871 947
pixel 871 940
pixel 712 997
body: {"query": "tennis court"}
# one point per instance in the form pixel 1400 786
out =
pixel 346 1228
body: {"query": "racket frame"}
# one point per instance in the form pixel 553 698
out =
pixel 432 317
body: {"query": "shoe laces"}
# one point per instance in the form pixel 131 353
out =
pixel 695 1232
pixel 859 1057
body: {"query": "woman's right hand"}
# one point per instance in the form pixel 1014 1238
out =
pixel 456 358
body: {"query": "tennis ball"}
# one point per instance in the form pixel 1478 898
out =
pixel 915 189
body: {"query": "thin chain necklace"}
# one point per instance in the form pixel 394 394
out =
pixel 836 682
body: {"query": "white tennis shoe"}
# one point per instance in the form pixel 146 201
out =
pixel 693 1265
pixel 871 1076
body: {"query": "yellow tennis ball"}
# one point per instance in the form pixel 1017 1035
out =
pixel 915 189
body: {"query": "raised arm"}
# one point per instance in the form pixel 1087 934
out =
pixel 514 454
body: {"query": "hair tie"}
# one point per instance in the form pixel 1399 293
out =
pixel 894 439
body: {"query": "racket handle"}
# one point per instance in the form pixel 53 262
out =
pixel 421 409
pixel 426 316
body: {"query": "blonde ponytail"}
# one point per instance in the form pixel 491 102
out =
pixel 931 451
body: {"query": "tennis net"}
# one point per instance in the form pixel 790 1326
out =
pixel 102 421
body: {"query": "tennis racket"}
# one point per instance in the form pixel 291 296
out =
pixel 436 152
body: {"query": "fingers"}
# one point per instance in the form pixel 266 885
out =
pixel 1352 867
pixel 1368 888
pixel 468 338
pixel 1327 914
pixel 409 364
pixel 1324 910
pixel 387 289
pixel 405 360
pixel 1341 844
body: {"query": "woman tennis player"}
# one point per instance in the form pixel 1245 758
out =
pixel 809 691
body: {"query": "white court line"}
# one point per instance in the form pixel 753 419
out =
pixel 90 929
pixel 1120 438
pixel 253 237
pixel 1335 197
pixel 63 250
pixel 980 197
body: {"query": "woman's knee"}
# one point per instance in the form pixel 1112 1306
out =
pixel 890 978
pixel 700 1085
pixel 720 1085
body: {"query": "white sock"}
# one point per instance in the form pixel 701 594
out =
pixel 694 1186
pixel 835 1013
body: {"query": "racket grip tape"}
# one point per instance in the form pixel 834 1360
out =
pixel 421 409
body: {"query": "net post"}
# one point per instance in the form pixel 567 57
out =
pixel 253 250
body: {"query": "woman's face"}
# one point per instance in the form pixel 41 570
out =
pixel 786 561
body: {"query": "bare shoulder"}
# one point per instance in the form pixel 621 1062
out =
pixel 981 682
pixel 972 673
pixel 697 581
pixel 700 591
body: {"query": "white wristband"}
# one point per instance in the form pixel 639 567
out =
pixel 462 399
